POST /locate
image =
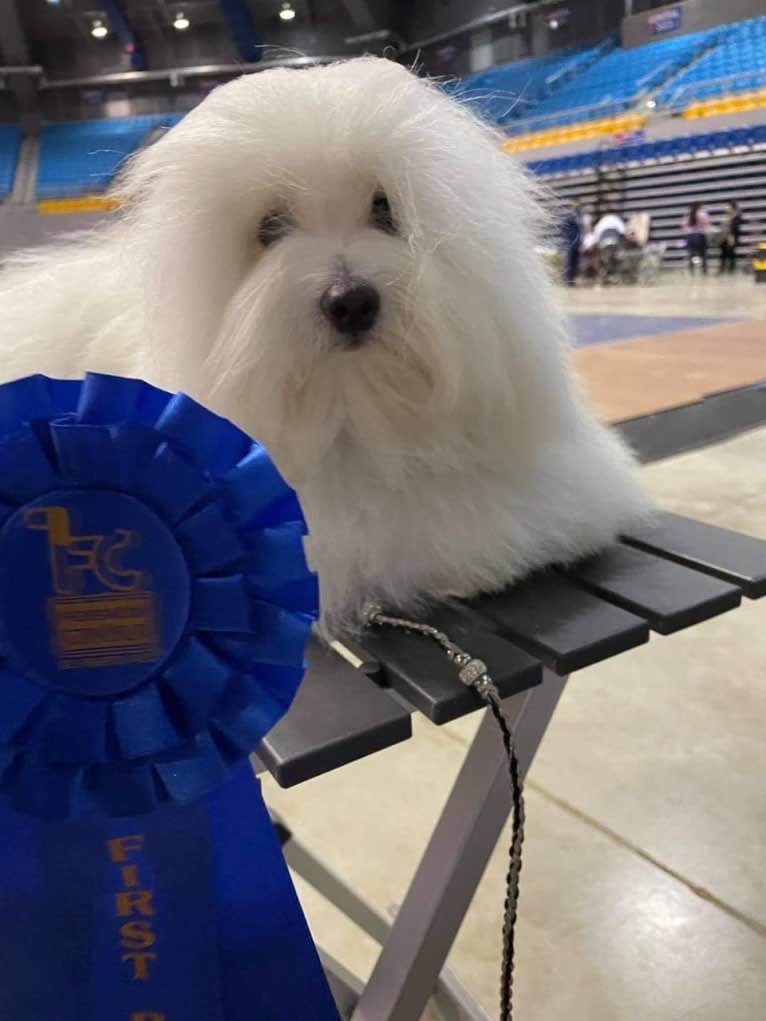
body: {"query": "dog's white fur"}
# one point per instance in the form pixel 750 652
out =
pixel 451 452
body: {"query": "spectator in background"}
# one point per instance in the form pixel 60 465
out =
pixel 571 234
pixel 610 227
pixel 731 228
pixel 695 226
pixel 608 241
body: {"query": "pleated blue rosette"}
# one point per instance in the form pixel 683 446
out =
pixel 155 599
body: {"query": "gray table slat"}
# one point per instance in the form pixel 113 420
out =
pixel 668 595
pixel 739 559
pixel 418 668
pixel 565 626
pixel 339 715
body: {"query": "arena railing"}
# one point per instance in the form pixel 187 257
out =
pixel 683 96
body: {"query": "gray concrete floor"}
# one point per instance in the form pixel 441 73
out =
pixel 643 893
pixel 676 294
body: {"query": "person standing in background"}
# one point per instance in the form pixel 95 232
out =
pixel 695 226
pixel 731 228
pixel 571 234
pixel 611 226
pixel 609 239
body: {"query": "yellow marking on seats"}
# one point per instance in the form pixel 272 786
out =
pixel 79 204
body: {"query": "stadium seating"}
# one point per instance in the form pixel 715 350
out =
pixel 614 83
pixel 581 93
pixel 663 149
pixel 10 142
pixel 79 157
pixel 577 131
pixel 501 94
pixel 717 81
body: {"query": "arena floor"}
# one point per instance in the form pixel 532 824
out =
pixel 641 350
pixel 643 891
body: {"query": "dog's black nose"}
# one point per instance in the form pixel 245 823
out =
pixel 351 306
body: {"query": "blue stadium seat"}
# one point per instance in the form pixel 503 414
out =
pixel 79 157
pixel 504 94
pixel 586 160
pixel 572 85
pixel 612 84
pixel 740 136
pixel 737 62
pixel 10 143
pixel 508 93
pixel 702 142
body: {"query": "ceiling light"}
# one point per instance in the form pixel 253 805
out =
pixel 99 29
pixel 287 13
pixel 181 22
pixel 553 24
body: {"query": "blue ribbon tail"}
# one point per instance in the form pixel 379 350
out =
pixel 188 912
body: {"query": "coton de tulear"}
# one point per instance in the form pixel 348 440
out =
pixel 342 260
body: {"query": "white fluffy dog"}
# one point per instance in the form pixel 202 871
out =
pixel 342 260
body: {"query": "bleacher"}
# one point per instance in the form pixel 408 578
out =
pixel 659 150
pixel 737 64
pixel 505 93
pixel 588 92
pixel 10 143
pixel 615 82
pixel 664 177
pixel 587 83
pixel 617 124
pixel 82 157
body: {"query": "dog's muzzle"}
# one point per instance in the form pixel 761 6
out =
pixel 352 306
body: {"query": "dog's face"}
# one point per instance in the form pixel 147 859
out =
pixel 342 258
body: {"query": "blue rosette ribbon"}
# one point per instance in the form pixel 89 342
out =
pixel 155 604
pixel 155 599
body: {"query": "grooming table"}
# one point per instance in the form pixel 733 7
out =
pixel 357 699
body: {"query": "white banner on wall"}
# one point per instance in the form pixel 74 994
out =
pixel 668 20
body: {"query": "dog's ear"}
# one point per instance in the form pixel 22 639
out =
pixel 184 242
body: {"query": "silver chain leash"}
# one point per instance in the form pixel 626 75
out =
pixel 474 674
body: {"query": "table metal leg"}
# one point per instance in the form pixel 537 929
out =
pixel 457 854
pixel 453 1001
pixel 336 890
pixel 345 987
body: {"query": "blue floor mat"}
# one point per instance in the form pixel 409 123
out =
pixel 601 329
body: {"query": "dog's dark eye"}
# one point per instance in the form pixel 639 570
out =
pixel 381 215
pixel 274 226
